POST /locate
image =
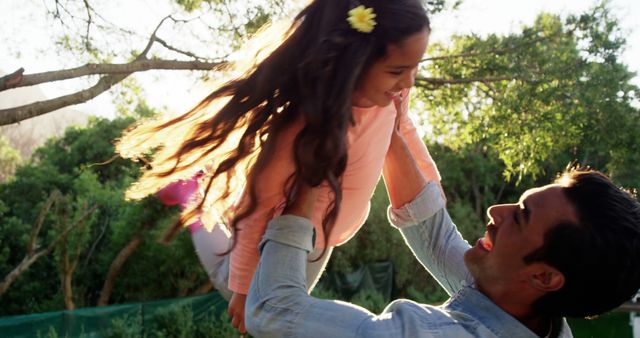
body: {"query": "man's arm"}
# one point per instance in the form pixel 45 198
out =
pixel 433 238
pixel 418 210
pixel 278 304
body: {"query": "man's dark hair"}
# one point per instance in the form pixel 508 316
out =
pixel 600 256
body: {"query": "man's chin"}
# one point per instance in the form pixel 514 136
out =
pixel 472 259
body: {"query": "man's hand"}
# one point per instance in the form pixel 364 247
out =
pixel 302 205
pixel 236 311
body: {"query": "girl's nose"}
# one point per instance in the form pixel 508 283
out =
pixel 409 79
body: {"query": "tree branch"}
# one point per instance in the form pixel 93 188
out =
pixel 497 51
pixel 35 230
pixel 117 73
pixel 103 68
pixel 434 82
pixel 177 50
pixel 105 222
pixel 87 39
pixel 32 257
pixel 13 115
pixel 11 80
pixel 116 266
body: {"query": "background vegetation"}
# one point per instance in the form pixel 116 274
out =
pixel 502 113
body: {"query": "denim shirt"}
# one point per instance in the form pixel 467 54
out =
pixel 279 306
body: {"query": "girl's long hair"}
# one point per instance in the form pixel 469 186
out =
pixel 231 134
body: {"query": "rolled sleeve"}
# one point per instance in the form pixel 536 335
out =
pixel 424 205
pixel 290 230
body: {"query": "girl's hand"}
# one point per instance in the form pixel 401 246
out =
pixel 400 110
pixel 396 136
pixel 236 311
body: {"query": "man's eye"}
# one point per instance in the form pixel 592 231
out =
pixel 515 218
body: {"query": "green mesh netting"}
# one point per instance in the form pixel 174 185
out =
pixel 98 321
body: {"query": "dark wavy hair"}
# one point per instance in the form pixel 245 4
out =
pixel 600 256
pixel 310 75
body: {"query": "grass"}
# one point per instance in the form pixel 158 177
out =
pixel 611 325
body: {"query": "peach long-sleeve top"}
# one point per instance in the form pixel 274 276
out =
pixel 368 142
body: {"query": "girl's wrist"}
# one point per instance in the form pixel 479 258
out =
pixel 397 141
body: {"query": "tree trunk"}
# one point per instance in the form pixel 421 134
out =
pixel 116 266
pixel 67 290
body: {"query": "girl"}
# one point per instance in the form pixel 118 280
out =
pixel 319 109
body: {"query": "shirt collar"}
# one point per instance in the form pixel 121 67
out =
pixel 472 302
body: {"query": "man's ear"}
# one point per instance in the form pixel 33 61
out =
pixel 545 278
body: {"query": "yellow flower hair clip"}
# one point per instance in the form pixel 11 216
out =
pixel 362 19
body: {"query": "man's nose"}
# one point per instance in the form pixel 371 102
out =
pixel 494 214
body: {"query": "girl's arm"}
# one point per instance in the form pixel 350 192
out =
pixel 393 178
pixel 269 188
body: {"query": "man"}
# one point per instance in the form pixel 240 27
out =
pixel 571 248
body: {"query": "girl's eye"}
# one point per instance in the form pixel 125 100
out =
pixel 395 72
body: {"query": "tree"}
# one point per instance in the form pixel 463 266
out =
pixel 81 166
pixel 33 252
pixel 229 22
pixel 524 105
pixel 563 95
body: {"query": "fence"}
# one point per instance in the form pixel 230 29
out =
pixel 96 322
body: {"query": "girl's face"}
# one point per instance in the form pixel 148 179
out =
pixel 387 77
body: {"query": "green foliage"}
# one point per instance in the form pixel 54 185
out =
pixel 546 96
pixel 129 101
pixel 377 241
pixel 611 325
pixel 125 327
pixel 175 321
pixel 322 293
pixel 180 322
pixel 9 159
pixel 538 99
pixel 370 300
pixel 53 334
pixel 435 295
pixel 189 5
pixel 81 165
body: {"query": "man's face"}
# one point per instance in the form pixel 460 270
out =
pixel 515 230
